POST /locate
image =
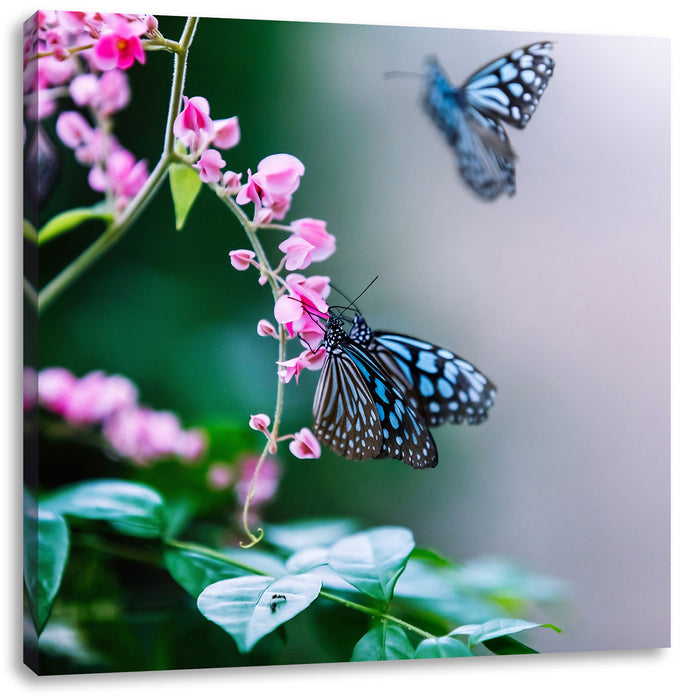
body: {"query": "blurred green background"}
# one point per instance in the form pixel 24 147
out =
pixel 560 294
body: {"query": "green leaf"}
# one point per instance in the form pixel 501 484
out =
pixel 46 549
pixel 68 220
pixel 185 185
pixel 250 607
pixel 497 628
pixel 372 560
pixel 384 642
pixel 131 508
pixel 441 648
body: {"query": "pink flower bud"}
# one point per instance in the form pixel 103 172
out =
pixel 265 328
pixel 314 232
pixel 241 259
pixel 260 421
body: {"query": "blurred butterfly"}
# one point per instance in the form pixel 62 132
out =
pixel 439 383
pixel 360 412
pixel 506 90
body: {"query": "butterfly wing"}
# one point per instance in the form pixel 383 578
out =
pixel 442 385
pixel 485 157
pixel 510 88
pixel 361 414
pixel 345 418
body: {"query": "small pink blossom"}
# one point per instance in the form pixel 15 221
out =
pixel 305 445
pixel 289 369
pixel 260 422
pixel 193 126
pixel 299 309
pixel 227 133
pixel 219 476
pixel 54 387
pixel 191 445
pixel 241 259
pixel 277 178
pixel 94 397
pixel 298 252
pixel 73 129
pixel 231 181
pixel 267 481
pixel 266 328
pixel 123 176
pixel 314 232
pixel 209 165
pixel 120 47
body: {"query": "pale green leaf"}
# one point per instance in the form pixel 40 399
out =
pixel 250 607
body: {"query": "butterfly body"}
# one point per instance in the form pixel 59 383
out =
pixel 506 90
pixel 361 413
pixel 440 384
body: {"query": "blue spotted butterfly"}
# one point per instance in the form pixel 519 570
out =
pixel 359 411
pixel 440 384
pixel 506 90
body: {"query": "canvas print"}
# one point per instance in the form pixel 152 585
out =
pixel 342 343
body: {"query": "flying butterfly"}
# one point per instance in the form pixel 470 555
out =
pixel 506 90
pixel 360 412
pixel 441 385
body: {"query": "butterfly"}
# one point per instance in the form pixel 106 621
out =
pixel 506 90
pixel 359 410
pixel 441 385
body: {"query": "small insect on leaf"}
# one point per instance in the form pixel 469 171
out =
pixel 277 599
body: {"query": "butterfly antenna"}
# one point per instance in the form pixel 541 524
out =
pixel 353 302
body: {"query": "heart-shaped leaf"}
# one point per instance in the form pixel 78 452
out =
pixel 441 648
pixel 372 560
pixel 250 607
pixel 497 628
pixel 185 185
pixel 384 642
pixel 132 508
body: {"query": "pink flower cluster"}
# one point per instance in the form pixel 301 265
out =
pixel 111 401
pixel 88 52
pixel 65 41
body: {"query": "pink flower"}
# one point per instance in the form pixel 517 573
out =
pixel 193 126
pixel 121 47
pixel 299 309
pixel 298 252
pixel 265 328
pixel 123 176
pixel 314 232
pixel 107 95
pixel 227 133
pixel 54 387
pixel 209 165
pixel 191 445
pixel 73 129
pixel 305 445
pixel 95 397
pixel 231 181
pixel 290 369
pixel 267 480
pixel 219 476
pixel 241 259
pixel 277 178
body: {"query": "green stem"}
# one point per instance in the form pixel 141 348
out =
pixel 118 228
